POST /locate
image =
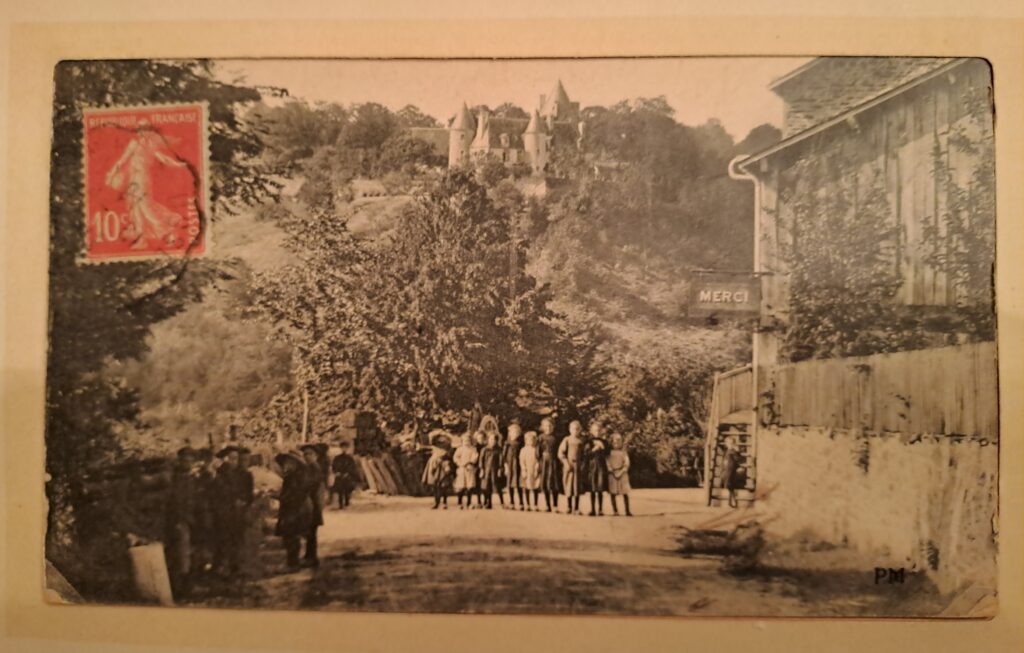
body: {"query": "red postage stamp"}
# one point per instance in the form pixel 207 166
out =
pixel 146 182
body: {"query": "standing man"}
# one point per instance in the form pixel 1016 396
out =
pixel 233 497
pixel 295 511
pixel 345 477
pixel 182 500
pixel 317 489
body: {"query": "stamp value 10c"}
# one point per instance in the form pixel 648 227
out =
pixel 146 182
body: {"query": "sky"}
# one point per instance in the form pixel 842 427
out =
pixel 732 89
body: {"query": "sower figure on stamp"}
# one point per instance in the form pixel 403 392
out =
pixel 465 459
pixel 316 486
pixel 133 173
pixel 510 463
pixel 549 463
pixel 295 511
pixel 490 471
pixel 597 469
pixel 529 466
pixel 618 474
pixel 233 496
pixel 439 470
pixel 345 477
pixel 180 512
pixel 572 454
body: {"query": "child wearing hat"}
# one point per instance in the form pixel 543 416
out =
pixel 465 459
pixel 529 472
pixel 295 511
pixel 618 474
pixel 234 495
pixel 438 473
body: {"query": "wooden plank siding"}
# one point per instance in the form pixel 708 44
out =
pixel 949 390
pixel 734 391
pixel 900 138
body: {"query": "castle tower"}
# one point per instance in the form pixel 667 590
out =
pixel 557 106
pixel 460 135
pixel 535 143
pixel 482 141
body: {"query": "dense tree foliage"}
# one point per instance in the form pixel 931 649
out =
pixel 100 313
pixel 435 318
pixel 642 202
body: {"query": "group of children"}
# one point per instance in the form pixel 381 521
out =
pixel 527 465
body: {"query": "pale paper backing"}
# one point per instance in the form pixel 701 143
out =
pixel 37 48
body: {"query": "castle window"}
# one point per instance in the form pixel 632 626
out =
pixel 504 140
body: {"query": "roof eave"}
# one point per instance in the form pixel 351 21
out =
pixel 846 115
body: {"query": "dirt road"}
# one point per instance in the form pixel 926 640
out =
pixel 396 554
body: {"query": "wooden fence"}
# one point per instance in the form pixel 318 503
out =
pixel 949 390
pixel 733 391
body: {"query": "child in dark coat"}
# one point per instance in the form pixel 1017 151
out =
pixel 295 512
pixel 548 446
pixel 597 468
pixel 490 470
pixel 510 462
pixel 438 474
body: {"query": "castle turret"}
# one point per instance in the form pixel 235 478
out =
pixel 460 135
pixel 557 106
pixel 535 143
pixel 482 141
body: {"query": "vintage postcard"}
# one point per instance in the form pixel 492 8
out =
pixel 676 336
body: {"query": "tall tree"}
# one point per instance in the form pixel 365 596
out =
pixel 438 316
pixel 103 312
pixel 411 116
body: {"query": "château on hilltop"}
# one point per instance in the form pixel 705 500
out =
pixel 554 122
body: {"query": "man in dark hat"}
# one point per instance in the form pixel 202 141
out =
pixel 317 488
pixel 180 513
pixel 204 533
pixel 345 477
pixel 295 512
pixel 233 496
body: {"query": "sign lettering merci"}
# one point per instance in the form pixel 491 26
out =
pixel 724 295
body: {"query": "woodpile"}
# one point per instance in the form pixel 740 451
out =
pixel 384 474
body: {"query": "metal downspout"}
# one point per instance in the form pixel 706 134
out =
pixel 755 364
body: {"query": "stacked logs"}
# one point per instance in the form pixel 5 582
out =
pixel 386 475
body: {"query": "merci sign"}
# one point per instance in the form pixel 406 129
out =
pixel 724 294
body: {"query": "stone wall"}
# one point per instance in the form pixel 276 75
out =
pixel 920 502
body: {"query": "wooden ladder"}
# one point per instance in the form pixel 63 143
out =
pixel 717 493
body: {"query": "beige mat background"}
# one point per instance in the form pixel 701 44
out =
pixel 438 29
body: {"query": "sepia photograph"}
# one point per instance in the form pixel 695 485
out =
pixel 651 336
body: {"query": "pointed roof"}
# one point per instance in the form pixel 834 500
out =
pixel 535 123
pixel 463 119
pixel 556 99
